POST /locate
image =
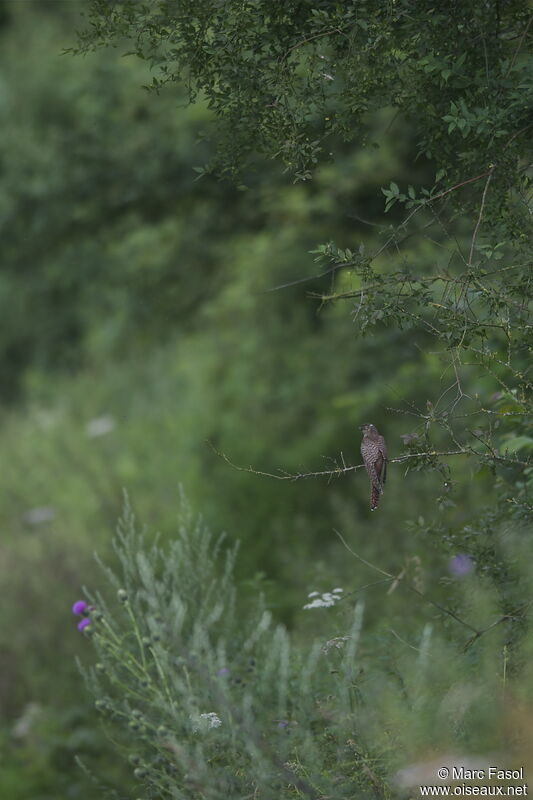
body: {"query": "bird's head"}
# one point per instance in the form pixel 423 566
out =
pixel 368 428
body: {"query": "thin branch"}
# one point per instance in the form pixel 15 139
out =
pixel 409 586
pixel 361 559
pixel 400 579
pixel 474 237
pixel 443 609
pixel 366 586
pixel 391 630
pixel 298 281
pixel 458 186
pixel 501 619
pixel 283 475
pixel 395 278
pixel 311 39
pixel 517 50
pixel 425 203
pixel 391 239
pixel 518 133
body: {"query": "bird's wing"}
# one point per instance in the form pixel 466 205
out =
pixel 379 467
pixel 370 465
pixel 383 451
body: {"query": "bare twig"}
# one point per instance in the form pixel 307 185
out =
pixel 366 586
pixel 298 281
pixel 311 39
pixel 402 581
pixel 501 619
pixel 476 229
pixel 283 475
pixel 517 50
pixel 403 640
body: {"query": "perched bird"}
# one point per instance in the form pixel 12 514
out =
pixel 374 452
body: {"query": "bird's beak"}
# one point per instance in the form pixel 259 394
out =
pixel 360 427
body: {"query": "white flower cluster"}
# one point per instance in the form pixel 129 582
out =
pixel 335 644
pixel 204 722
pixel 324 600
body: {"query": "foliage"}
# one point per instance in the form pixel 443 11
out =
pixel 281 80
pixel 282 77
pixel 152 288
pixel 40 749
pixel 90 209
pixel 109 240
pixel 209 702
pixel 261 67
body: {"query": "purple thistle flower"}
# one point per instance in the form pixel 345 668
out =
pixel 460 565
pixel 83 623
pixel 223 671
pixel 282 723
pixel 79 607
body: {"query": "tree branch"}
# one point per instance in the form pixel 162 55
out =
pixel 283 475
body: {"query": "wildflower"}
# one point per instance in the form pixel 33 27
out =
pixel 324 600
pixel 204 722
pixel 460 565
pixel 282 723
pixel 213 720
pixel 223 671
pixel 79 607
pixel 337 643
pixel 83 623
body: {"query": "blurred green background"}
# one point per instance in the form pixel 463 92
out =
pixel 138 325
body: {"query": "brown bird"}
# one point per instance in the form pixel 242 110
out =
pixel 374 452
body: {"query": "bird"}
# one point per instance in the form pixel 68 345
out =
pixel 374 452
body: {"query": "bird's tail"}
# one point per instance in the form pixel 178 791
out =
pixel 375 491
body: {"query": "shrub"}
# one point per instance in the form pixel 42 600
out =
pixel 207 697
